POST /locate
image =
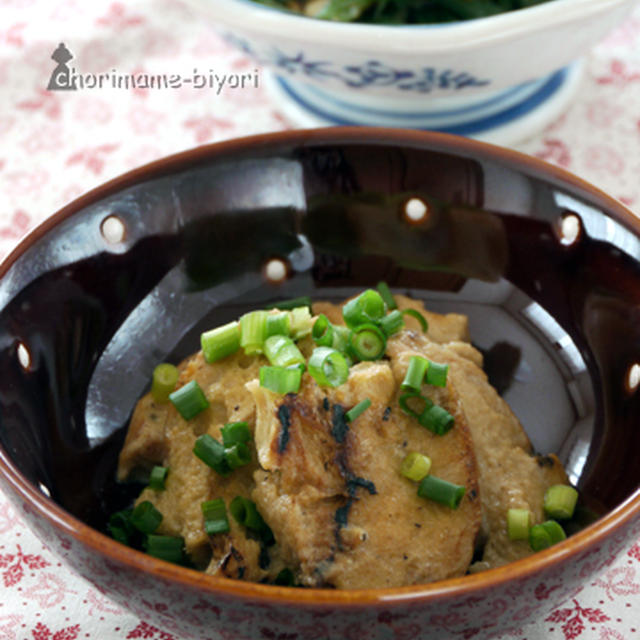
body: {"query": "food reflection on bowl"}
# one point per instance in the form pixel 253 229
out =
pixel 499 78
pixel 535 257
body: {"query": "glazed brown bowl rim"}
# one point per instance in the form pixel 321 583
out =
pixel 579 543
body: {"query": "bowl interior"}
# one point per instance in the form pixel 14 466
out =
pixel 90 307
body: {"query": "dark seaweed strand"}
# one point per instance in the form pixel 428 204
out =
pixel 353 482
pixel 340 427
pixel 284 415
pixel 325 404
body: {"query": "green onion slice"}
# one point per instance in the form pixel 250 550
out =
pixel 167 548
pixel 555 531
pixel 328 367
pixel 437 374
pixel 165 378
pixel 145 517
pixel 282 351
pixel 281 380
pixel 539 538
pixel 560 501
pixel 322 332
pixel 415 466
pixel 253 331
pixel 340 338
pixel 387 296
pixel 425 404
pixel 120 525
pixel 366 308
pixel 293 303
pixel 212 453
pixel 354 412
pixel 416 372
pixel 418 316
pixel 158 477
pixel 215 517
pixel 235 432
pixel 220 342
pixel 278 324
pixel 245 513
pixel 285 578
pixel 301 322
pixel 189 400
pixel 367 342
pixel 436 419
pixel 237 455
pixel 441 491
pixel 392 323
pixel 518 524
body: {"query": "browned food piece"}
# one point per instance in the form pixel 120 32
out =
pixel 191 482
pixel 334 497
pixel 509 475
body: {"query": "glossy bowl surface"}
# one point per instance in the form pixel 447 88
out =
pixel 540 261
pixel 500 78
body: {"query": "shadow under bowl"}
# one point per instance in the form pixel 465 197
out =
pixel 546 267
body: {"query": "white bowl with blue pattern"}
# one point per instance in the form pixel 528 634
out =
pixel 500 78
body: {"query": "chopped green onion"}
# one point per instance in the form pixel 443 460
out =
pixel 328 367
pixel 212 453
pixel 322 332
pixel 145 517
pixel 285 578
pixel 120 525
pixel 387 296
pixel 539 538
pixel 416 372
pixel 253 331
pixel 418 316
pixel 366 308
pixel 340 338
pixel 555 531
pixel 282 351
pixel 234 432
pixel 518 524
pixel 441 491
pixel 436 419
pixel 215 517
pixel 278 324
pixel 293 303
pixel 392 323
pixel 437 374
pixel 167 548
pixel 301 322
pixel 281 380
pixel 354 412
pixel 165 378
pixel 367 342
pixel 245 513
pixel 415 466
pixel 189 400
pixel 237 455
pixel 220 342
pixel 158 477
pixel 403 401
pixel 560 501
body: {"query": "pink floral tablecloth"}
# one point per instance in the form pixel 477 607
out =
pixel 55 145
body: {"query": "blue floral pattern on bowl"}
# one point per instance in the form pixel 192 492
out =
pixel 371 73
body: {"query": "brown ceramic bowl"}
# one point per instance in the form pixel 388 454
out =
pixel 536 257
